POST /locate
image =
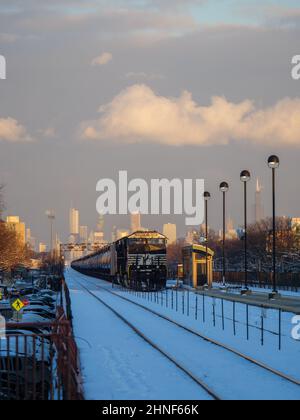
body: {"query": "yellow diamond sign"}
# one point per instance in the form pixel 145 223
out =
pixel 18 305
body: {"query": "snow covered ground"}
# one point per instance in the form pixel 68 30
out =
pixel 119 365
pixel 205 316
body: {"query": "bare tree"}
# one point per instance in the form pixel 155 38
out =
pixel 12 251
pixel 174 252
pixel 260 237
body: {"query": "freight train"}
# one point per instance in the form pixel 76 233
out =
pixel 138 261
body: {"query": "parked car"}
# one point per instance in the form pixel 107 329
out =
pixel 32 318
pixel 28 291
pixel 25 367
pixel 42 311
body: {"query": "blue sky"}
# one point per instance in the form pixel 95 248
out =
pixel 238 11
pixel 253 12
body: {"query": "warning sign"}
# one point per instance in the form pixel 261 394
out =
pixel 18 305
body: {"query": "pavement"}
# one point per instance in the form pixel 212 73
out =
pixel 261 299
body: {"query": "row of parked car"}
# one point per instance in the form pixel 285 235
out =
pixel 26 350
pixel 40 304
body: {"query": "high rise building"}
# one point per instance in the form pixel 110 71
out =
pixel 19 227
pixel 136 222
pixel 42 248
pixel 114 234
pixel 296 229
pixel 100 224
pixel 122 233
pixel 296 223
pixel 30 240
pixel 28 235
pixel 83 234
pixel 57 244
pixel 231 232
pixel 192 237
pixel 91 237
pixel 170 231
pixel 99 238
pixel 259 209
pixel 99 234
pixel 230 225
pixel 74 222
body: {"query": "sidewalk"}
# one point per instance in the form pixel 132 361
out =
pixel 261 299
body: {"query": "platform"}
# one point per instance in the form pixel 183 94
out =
pixel 283 302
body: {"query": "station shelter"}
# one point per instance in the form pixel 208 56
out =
pixel 194 266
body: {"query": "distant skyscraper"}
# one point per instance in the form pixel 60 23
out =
pixel 28 235
pixel 57 244
pixel 99 238
pixel 231 232
pixel 296 223
pixel 91 237
pixel 192 237
pixel 136 222
pixel 99 234
pixel 230 225
pixel 259 210
pixel 122 233
pixel 100 224
pixel 170 231
pixel 83 234
pixel 30 240
pixel 19 227
pixel 74 222
pixel 114 234
pixel 42 248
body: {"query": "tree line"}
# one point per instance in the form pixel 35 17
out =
pixel 12 252
pixel 260 238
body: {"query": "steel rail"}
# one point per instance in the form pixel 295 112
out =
pixel 210 340
pixel 197 380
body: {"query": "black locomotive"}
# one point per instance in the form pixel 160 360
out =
pixel 138 261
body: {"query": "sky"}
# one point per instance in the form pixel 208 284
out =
pixel 160 88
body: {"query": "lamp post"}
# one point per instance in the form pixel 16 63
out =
pixel 245 178
pixel 273 163
pixel 224 187
pixel 207 197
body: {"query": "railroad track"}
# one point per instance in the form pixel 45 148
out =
pixel 212 394
pixel 205 338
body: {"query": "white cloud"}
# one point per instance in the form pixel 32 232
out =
pixel 139 115
pixel 12 131
pixel 102 60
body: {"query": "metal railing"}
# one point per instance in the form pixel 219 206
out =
pixel 285 281
pixel 246 321
pixel 39 362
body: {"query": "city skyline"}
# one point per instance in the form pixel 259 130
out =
pixel 135 220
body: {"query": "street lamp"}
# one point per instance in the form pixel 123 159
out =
pixel 224 187
pixel 273 163
pixel 207 197
pixel 245 178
